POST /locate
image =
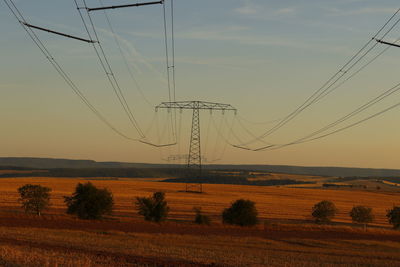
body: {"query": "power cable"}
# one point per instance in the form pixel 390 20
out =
pixel 138 87
pixel 105 64
pixel 230 132
pixel 167 62
pixel 321 92
pixel 18 15
pixel 363 107
pixel 341 129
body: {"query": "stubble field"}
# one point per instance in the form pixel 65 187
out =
pixel 285 237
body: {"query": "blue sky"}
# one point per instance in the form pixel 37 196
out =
pixel 263 57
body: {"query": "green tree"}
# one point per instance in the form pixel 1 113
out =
pixel 324 211
pixel 200 218
pixel 34 198
pixel 361 214
pixel 241 212
pixel 394 217
pixel 89 202
pixel 154 208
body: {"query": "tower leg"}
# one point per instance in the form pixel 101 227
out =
pixel 194 159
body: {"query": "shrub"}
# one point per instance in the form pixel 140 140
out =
pixel 89 202
pixel 361 214
pixel 200 218
pixel 242 212
pixel 394 217
pixel 324 211
pixel 153 208
pixel 34 198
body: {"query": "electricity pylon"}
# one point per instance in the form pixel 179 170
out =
pixel 194 158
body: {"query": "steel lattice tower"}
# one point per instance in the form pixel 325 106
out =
pixel 194 158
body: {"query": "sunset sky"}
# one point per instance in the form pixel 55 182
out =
pixel 263 57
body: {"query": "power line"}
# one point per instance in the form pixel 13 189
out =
pixel 173 48
pixel 123 6
pixel 108 70
pixel 57 33
pixel 173 56
pixel 341 129
pixel 138 87
pixel 18 15
pixel 324 90
pixel 358 110
pixel 111 76
pixel 167 55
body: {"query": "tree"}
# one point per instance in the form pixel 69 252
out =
pixel 361 214
pixel 324 211
pixel 394 217
pixel 89 202
pixel 200 218
pixel 154 208
pixel 34 198
pixel 242 212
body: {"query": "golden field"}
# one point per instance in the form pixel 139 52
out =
pixel 285 236
pixel 114 248
pixel 273 203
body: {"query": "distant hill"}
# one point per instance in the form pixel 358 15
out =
pixel 50 163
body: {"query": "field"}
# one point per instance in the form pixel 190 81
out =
pixel 286 235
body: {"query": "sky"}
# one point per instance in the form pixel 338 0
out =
pixel 263 57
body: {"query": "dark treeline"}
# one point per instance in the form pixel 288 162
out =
pixel 177 175
pixel 100 172
pixel 226 179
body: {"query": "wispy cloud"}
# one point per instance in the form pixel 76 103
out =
pixel 361 11
pixel 247 8
pixel 134 56
pixel 230 63
pixel 257 11
pixel 244 36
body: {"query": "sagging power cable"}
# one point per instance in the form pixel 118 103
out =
pixel 118 43
pixel 43 49
pixel 348 116
pixel 329 85
pixel 106 66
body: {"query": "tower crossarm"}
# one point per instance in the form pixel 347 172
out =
pixel 196 105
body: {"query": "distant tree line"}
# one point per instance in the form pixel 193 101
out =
pixel 90 202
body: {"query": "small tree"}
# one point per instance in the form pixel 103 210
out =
pixel 34 198
pixel 200 218
pixel 324 211
pixel 362 214
pixel 394 217
pixel 242 212
pixel 153 208
pixel 89 202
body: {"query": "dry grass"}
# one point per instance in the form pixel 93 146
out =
pixel 12 256
pixel 210 249
pixel 276 203
pixel 182 244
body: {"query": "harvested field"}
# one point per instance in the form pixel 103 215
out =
pixel 285 236
pixel 275 204
pixel 199 246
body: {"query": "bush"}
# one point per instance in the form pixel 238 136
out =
pixel 34 198
pixel 361 214
pixel 242 212
pixel 89 202
pixel 324 211
pixel 200 218
pixel 153 208
pixel 394 217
